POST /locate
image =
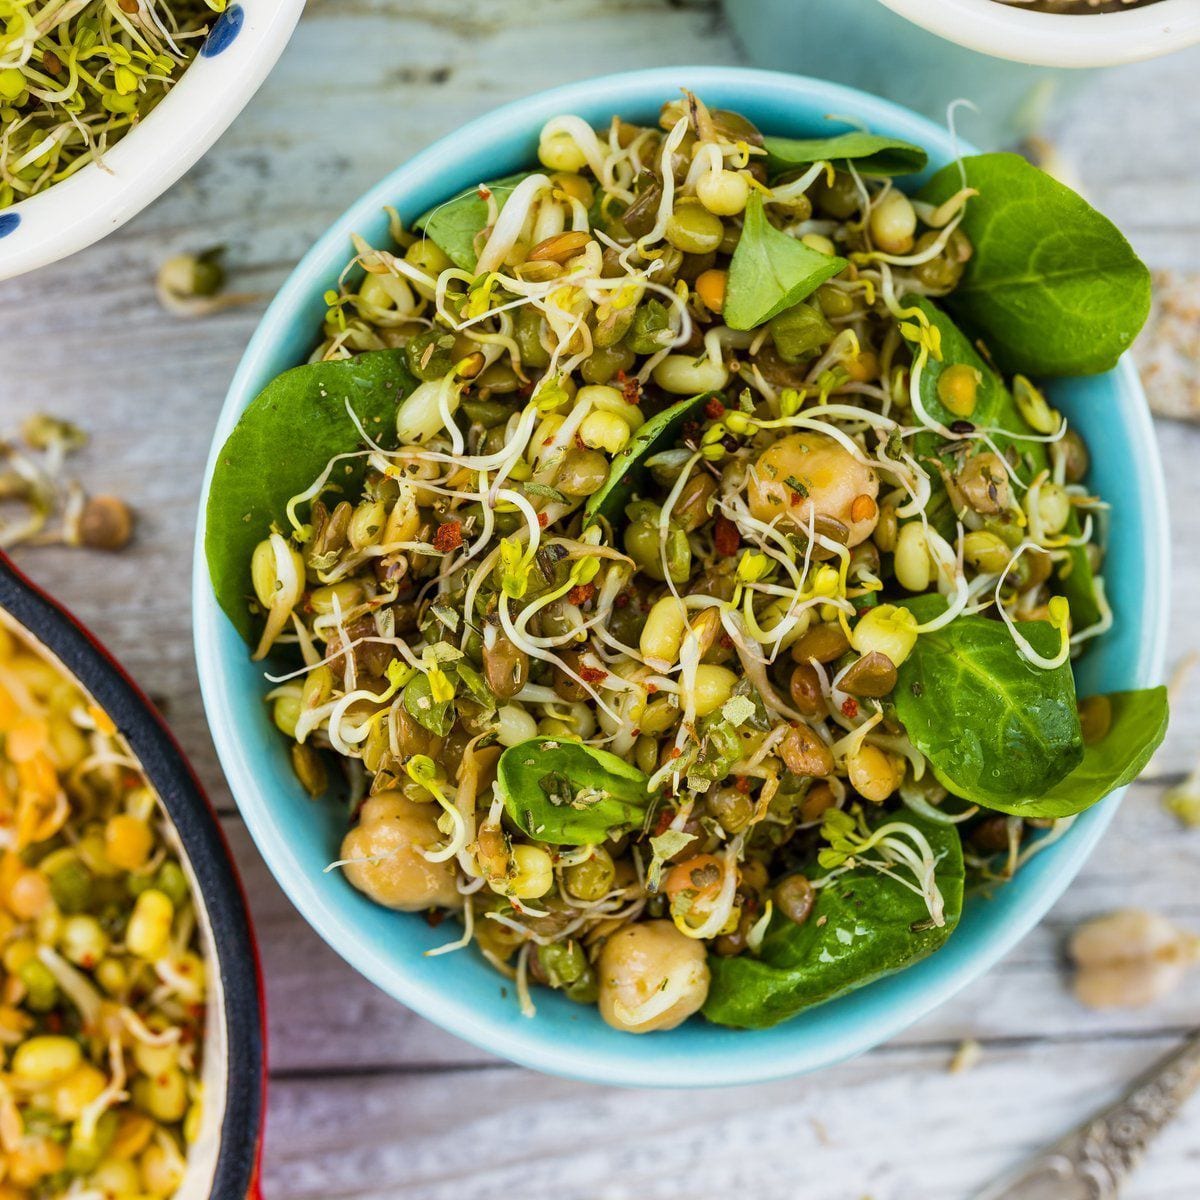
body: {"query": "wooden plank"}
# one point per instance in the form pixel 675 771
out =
pixel 895 1126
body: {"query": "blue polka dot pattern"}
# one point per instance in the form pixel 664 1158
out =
pixel 8 222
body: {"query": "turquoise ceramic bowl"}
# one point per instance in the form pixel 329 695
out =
pixel 459 991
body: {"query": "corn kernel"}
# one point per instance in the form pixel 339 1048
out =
pixel 150 925
pixel 128 842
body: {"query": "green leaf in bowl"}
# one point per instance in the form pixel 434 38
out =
pixel 872 153
pixel 569 794
pixel 1053 287
pixel 454 225
pixel 864 925
pixel 771 271
pixel 995 727
pixel 280 445
pixel 1139 724
pixel 628 469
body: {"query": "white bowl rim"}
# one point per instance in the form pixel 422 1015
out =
pixel 94 201
pixel 1058 39
pixel 524 1046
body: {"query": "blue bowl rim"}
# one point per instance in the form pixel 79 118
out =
pixel 200 835
pixel 753 1062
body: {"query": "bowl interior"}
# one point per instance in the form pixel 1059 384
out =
pixel 459 990
pixel 222 1161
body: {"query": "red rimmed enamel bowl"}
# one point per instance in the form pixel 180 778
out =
pixel 223 1160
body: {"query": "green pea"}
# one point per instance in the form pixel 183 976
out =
pixel 430 354
pixel 563 962
pixel 40 985
pixel 488 413
pixel 642 545
pixel 527 333
pixel 834 302
pixel 585 989
pixel 799 332
pixel 172 882
pixel 591 879
pixel 626 623
pixel 71 886
pixel 837 199
pixel 648 332
pixel 604 364
pixel 694 230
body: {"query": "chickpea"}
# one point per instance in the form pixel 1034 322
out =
pixel 643 962
pixel 832 479
pixel 872 773
pixel 386 863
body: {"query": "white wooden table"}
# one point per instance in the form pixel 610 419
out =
pixel 367 1100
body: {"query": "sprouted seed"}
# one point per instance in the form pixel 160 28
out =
pixel 614 626
pixel 40 504
pixel 77 75
pixel 193 285
pixel 102 973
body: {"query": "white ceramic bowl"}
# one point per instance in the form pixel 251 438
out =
pixel 237 55
pixel 1058 39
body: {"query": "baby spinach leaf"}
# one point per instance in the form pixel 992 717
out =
pixel 1139 723
pixel 1052 287
pixel 771 271
pixel 628 469
pixel 454 225
pixel 280 445
pixel 863 926
pixel 873 153
pixel 569 794
pixel 995 727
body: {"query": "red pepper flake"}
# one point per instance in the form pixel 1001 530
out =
pixel 742 784
pixel 434 917
pixel 793 498
pixel 664 821
pixel 448 537
pixel 592 674
pixel 675 752
pixel 651 688
pixel 714 410
pixel 621 601
pixel 543 519
pixel 850 707
pixel 726 537
pixel 726 641
pixel 581 593
pixel 580 444
pixel 631 387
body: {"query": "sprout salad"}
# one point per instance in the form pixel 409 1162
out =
pixel 102 979
pixel 77 75
pixel 675 567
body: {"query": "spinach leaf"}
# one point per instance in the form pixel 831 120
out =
pixel 873 153
pixel 771 271
pixel 995 727
pixel 1139 723
pixel 454 225
pixel 569 794
pixel 1052 287
pixel 280 445
pixel 863 926
pixel 661 432
pixel 996 409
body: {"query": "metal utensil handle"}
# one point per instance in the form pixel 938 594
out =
pixel 1093 1161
